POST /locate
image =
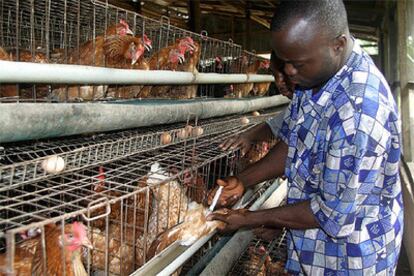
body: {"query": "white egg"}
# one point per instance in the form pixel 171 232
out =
pixel 182 133
pixel 166 138
pixel 245 121
pixel 198 131
pixel 53 164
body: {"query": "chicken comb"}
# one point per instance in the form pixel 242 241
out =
pixel 124 23
pixel 261 250
pixel 189 40
pixel 265 64
pixel 79 228
pixel 147 41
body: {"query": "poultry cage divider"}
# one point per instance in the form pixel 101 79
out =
pixel 224 260
pixel 25 121
pixel 29 72
pixel 167 262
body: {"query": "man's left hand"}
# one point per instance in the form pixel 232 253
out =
pixel 233 219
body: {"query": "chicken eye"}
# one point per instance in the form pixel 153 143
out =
pixel 70 236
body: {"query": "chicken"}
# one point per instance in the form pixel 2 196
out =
pixel 27 56
pixel 121 257
pixel 194 227
pixel 122 28
pixel 261 88
pixel 256 152
pixel 169 207
pixel 131 208
pixel 29 259
pixel 116 51
pixel 7 90
pixel 275 268
pixel 190 64
pixel 132 91
pixel 243 89
pixel 167 58
pixel 256 261
pixel 196 187
pixel 133 219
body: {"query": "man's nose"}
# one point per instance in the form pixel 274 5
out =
pixel 290 70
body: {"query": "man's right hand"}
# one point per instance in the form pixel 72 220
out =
pixel 233 190
pixel 243 141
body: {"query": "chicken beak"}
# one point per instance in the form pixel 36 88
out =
pixel 181 58
pixel 148 47
pixel 129 32
pixel 87 243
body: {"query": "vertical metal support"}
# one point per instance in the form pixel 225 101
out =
pixel 195 15
pixel 407 132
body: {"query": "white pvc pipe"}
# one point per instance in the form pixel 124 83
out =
pixel 28 72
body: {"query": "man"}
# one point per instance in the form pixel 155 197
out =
pixel 340 151
pixel 271 127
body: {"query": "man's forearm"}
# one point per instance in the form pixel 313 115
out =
pixel 292 216
pixel 269 167
pixel 261 132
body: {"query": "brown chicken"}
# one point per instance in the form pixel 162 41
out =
pixel 275 268
pixel 27 56
pixel 121 257
pixel 196 187
pixel 29 257
pixel 243 89
pixel 256 152
pixel 256 261
pixel 131 208
pixel 132 91
pixel 7 90
pixel 261 88
pixel 116 51
pixel 190 64
pixel 167 58
pixel 122 28
pixel 122 260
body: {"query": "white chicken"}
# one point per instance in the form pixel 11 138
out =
pixel 169 206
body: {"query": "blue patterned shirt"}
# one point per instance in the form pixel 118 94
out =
pixel 344 149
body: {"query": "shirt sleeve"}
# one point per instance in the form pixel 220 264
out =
pixel 275 123
pixel 348 179
pixel 284 131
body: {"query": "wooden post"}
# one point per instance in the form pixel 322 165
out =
pixel 137 6
pixel 195 16
pixel 232 28
pixel 247 35
pixel 407 132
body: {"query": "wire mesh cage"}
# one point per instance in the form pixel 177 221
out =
pixel 124 194
pixel 96 33
pixel 263 257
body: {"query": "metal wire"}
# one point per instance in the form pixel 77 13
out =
pixel 252 260
pixel 54 31
pixel 22 164
pixel 31 199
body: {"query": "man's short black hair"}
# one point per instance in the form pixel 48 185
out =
pixel 330 15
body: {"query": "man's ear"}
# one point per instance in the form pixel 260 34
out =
pixel 339 43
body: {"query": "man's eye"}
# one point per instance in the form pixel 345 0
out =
pixel 298 65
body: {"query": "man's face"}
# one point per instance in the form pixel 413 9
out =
pixel 285 87
pixel 307 57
